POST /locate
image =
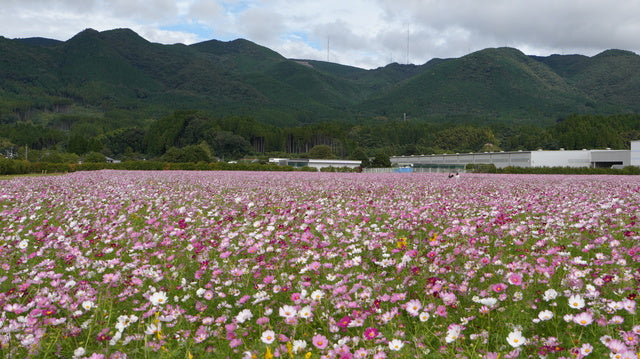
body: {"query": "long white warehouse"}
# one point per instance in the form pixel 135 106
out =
pixel 540 158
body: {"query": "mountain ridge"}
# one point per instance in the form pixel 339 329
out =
pixel 120 70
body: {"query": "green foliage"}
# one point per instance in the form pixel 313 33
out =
pixel 321 152
pixel 481 168
pixel 578 132
pixel 465 138
pixel 11 167
pixel 118 142
pixel 95 157
pixel 190 153
pixel 360 155
pixel 381 159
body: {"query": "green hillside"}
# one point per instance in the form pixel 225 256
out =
pixel 490 84
pixel 118 73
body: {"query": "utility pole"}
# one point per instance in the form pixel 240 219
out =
pixel 26 152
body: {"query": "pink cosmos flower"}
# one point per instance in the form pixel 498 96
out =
pixel 629 305
pixel 584 318
pixel 413 307
pixel 616 319
pixel 616 346
pixel 441 311
pixel 515 279
pixel 630 338
pixel 319 341
pixel 361 353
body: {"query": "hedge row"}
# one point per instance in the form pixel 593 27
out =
pixel 8 166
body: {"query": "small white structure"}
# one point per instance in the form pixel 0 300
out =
pixel 634 154
pixel 112 160
pixel 315 163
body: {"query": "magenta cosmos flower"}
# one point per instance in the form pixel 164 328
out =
pixel 344 322
pixel 371 333
pixel 499 288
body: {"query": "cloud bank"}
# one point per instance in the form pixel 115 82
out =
pixel 363 33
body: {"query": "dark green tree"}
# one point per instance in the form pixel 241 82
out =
pixel 360 155
pixel 77 144
pixel 95 157
pixel 228 145
pixel 321 152
pixel 381 159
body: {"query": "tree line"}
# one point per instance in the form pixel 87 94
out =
pixel 193 136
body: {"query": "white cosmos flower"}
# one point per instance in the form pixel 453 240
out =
pixel 424 316
pixel 158 298
pixel 287 311
pixel 550 294
pixel 305 312
pixel 299 346
pixel 87 304
pixel 317 294
pixel 268 336
pixel 396 344
pixel 153 328
pixel 576 301
pixel 515 339
pixel 545 315
pixel 78 352
pixel 244 315
pixel 489 302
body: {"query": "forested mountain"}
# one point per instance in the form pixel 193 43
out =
pixel 110 87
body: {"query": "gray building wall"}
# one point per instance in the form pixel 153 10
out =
pixel 634 158
pixel 499 159
pixel 562 158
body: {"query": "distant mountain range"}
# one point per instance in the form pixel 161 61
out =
pixel 118 70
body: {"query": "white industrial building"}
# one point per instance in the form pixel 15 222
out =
pixel 539 158
pixel 634 154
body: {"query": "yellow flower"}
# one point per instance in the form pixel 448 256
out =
pixel 308 355
pixel 290 349
pixel 189 356
pixel 268 354
pixel 402 242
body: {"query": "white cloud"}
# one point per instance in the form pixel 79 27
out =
pixel 207 11
pixel 261 25
pixel 366 33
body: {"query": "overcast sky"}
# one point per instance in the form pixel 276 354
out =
pixel 363 33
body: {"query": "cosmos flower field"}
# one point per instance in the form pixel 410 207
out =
pixel 117 264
